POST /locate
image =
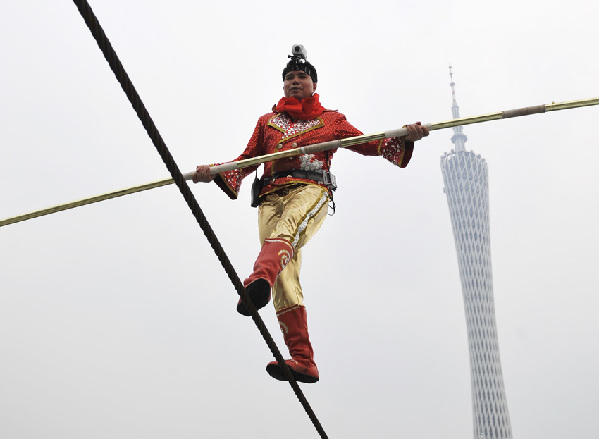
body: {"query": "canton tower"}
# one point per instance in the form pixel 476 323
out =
pixel 465 178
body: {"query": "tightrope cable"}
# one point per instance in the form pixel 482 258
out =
pixel 119 71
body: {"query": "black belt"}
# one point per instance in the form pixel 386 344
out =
pixel 323 177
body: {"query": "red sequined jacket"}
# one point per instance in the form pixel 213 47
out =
pixel 276 132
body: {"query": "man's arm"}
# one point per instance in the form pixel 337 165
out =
pixel 230 181
pixel 398 150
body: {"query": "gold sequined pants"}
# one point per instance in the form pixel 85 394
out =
pixel 294 213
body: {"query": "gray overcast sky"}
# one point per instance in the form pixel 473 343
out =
pixel 116 319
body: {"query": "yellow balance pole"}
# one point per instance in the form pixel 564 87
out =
pixel 343 143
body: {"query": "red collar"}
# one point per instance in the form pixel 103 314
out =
pixel 306 109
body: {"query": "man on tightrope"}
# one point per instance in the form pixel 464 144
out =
pixel 293 197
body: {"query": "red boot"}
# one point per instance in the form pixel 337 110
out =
pixel 274 256
pixel 294 325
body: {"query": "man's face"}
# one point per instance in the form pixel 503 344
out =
pixel 298 84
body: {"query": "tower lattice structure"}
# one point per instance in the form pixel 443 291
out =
pixel 465 178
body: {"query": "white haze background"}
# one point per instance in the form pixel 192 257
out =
pixel 116 319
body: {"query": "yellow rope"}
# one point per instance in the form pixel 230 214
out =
pixel 84 201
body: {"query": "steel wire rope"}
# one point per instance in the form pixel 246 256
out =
pixel 116 66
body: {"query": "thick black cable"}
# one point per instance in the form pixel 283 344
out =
pixel 119 71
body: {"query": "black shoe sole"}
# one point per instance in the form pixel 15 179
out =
pixel 259 292
pixel 275 371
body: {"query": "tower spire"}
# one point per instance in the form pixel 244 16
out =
pixel 459 138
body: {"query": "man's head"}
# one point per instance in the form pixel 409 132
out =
pixel 299 74
pixel 299 61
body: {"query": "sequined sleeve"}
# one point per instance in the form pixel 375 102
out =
pixel 397 150
pixel 394 149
